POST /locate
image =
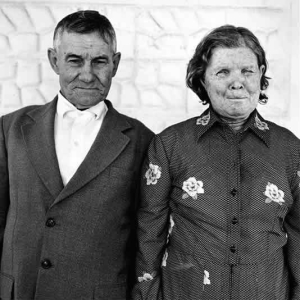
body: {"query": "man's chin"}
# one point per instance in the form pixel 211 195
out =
pixel 84 103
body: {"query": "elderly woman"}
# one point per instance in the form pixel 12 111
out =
pixel 220 210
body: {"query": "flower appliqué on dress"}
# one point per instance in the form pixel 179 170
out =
pixel 260 124
pixel 273 194
pixel 164 259
pixel 153 174
pixel 146 277
pixel 203 120
pixel 206 279
pixel 192 187
pixel 166 254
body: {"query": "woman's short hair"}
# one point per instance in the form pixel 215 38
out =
pixel 86 21
pixel 226 36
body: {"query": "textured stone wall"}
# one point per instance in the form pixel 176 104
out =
pixel 156 39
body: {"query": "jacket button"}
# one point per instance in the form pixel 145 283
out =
pixel 233 248
pixel 46 264
pixel 234 221
pixel 50 222
pixel 233 192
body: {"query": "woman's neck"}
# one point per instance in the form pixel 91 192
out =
pixel 235 124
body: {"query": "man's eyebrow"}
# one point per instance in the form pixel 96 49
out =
pixel 100 57
pixel 73 55
pixel 68 55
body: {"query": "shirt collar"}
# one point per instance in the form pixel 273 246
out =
pixel 255 123
pixel 64 106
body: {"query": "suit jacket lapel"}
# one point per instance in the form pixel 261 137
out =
pixel 108 145
pixel 38 135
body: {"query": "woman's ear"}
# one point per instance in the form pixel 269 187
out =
pixel 262 70
pixel 52 57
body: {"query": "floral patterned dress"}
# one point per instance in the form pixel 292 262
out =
pixel 219 216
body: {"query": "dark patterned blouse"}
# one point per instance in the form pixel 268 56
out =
pixel 220 213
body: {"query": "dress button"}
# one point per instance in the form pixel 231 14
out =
pixel 233 248
pixel 234 221
pixel 50 222
pixel 46 264
pixel 233 192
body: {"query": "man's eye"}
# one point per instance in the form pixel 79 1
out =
pixel 74 61
pixel 100 62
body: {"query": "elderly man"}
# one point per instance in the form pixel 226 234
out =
pixel 68 177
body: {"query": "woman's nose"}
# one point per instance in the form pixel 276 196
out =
pixel 237 82
pixel 236 85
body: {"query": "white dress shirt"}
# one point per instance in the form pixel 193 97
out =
pixel 74 133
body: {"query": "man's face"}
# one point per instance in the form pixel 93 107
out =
pixel 85 64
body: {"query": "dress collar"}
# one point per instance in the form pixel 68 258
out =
pixel 255 123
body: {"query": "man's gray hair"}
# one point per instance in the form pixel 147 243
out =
pixel 86 21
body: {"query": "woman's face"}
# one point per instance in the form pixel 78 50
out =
pixel 232 81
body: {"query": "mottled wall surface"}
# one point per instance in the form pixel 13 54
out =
pixel 156 39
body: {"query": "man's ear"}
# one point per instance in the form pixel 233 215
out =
pixel 116 60
pixel 52 56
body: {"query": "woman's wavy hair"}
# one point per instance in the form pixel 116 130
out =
pixel 226 36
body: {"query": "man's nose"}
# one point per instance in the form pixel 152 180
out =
pixel 86 73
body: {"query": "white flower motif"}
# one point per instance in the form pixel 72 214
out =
pixel 153 174
pixel 298 173
pixel 146 277
pixel 260 124
pixel 203 120
pixel 192 187
pixel 164 260
pixel 273 194
pixel 171 224
pixel 206 279
pixel 165 257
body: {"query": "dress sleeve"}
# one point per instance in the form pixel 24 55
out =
pixel 4 185
pixel 292 227
pixel 153 222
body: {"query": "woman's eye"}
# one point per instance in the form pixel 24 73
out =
pixel 247 71
pixel 223 72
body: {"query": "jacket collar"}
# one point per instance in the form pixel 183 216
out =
pixel 256 123
pixel 38 135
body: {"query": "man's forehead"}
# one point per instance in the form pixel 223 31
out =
pixel 92 36
pixel 85 42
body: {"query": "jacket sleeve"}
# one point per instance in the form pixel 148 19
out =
pixel 144 141
pixel 4 184
pixel 153 222
pixel 292 227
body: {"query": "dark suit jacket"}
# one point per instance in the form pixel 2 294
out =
pixel 69 242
